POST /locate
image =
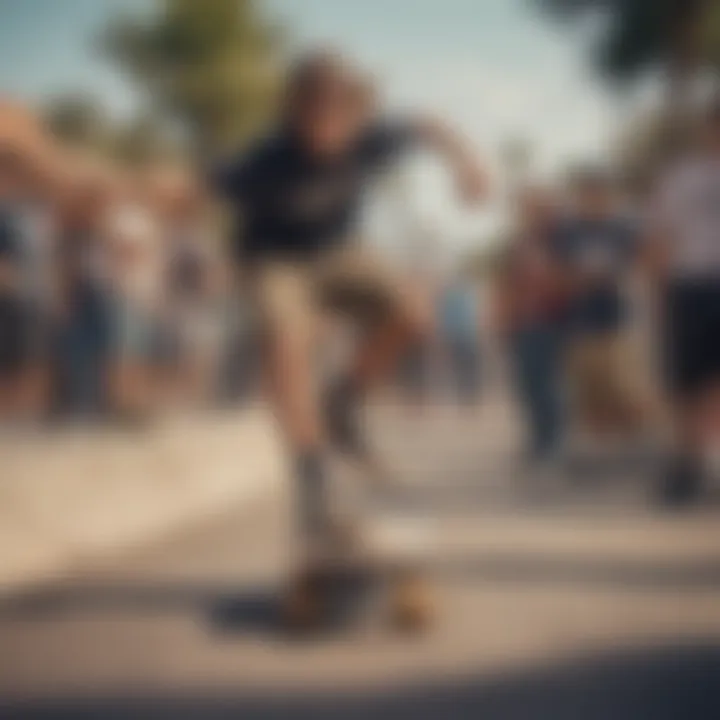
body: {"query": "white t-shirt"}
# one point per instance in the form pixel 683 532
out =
pixel 135 249
pixel 687 214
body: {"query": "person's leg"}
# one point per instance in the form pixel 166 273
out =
pixel 711 388
pixel 129 366
pixel 467 371
pixel 632 406
pixel 207 348
pixel 34 383
pixel 548 391
pixel 6 396
pixel 101 353
pixel 290 334
pixel 586 371
pixel 357 283
pixel 10 359
pixel 34 389
pixel 90 331
pixel 414 375
pixel 528 384
pixel 688 338
pixel 186 386
pixel 13 356
pixel 290 331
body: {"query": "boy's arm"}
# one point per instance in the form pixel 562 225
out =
pixel 472 180
pixel 384 140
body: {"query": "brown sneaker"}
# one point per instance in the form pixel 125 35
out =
pixel 302 607
pixel 412 606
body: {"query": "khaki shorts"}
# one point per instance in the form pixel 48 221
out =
pixel 605 380
pixel 292 297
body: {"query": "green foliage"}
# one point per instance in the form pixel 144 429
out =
pixel 141 141
pixel 78 120
pixel 209 64
pixel 638 34
pixel 710 33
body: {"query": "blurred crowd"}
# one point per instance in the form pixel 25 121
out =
pixel 605 306
pixel 113 294
pixel 558 305
pixel 566 308
pixel 116 298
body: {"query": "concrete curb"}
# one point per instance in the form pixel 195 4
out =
pixel 73 497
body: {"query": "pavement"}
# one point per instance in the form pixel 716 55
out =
pixel 573 600
pixel 76 494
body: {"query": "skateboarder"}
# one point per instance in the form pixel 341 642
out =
pixel 298 192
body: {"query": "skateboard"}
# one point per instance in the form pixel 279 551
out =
pixel 360 585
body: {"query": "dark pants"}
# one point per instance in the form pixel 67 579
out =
pixel 83 353
pixel 415 371
pixel 463 355
pixel 538 374
pixel 692 337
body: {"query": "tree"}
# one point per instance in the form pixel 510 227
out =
pixel 78 120
pixel 210 65
pixel 640 35
pixel 142 140
pixel 679 37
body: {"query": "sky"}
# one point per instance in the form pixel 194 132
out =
pixel 495 68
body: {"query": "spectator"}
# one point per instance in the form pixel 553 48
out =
pixel 36 215
pixel 28 199
pixel 135 253
pixel 84 296
pixel 528 317
pixel 26 210
pixel 597 249
pixel 686 260
pixel 194 291
pixel 459 320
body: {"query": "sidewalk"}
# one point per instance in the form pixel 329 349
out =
pixel 70 497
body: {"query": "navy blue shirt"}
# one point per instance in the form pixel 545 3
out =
pixel 293 205
pixel 600 250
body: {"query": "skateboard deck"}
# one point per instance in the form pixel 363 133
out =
pixel 384 577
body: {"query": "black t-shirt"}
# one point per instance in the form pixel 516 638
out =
pixel 602 249
pixel 291 204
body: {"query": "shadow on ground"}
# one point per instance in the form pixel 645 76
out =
pixel 253 608
pixel 669 683
pixel 227 608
